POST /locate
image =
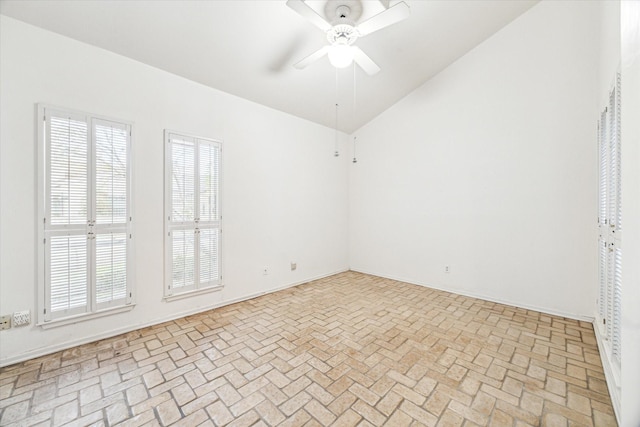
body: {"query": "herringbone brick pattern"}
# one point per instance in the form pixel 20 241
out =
pixel 347 350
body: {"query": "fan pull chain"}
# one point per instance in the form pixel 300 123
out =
pixel 354 111
pixel 336 152
pixel 354 150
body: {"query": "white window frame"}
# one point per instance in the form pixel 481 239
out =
pixel 46 318
pixel 171 293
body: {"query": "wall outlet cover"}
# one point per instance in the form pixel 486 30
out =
pixel 21 318
pixel 5 322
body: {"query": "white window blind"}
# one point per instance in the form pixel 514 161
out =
pixel 86 223
pixel 68 274
pixel 610 228
pixel 68 178
pixel 192 213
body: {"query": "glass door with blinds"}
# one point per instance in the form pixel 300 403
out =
pixel 608 319
pixel 84 194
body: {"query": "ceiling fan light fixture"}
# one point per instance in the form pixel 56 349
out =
pixel 340 55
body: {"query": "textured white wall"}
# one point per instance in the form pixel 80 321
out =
pixel 490 167
pixel 285 197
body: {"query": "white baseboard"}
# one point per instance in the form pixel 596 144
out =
pixel 544 310
pixel 611 379
pixel 123 330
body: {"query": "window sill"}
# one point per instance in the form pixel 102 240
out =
pixel 194 293
pixel 85 316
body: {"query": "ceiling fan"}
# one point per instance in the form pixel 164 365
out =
pixel 342 31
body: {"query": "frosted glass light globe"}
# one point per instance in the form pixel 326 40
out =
pixel 340 56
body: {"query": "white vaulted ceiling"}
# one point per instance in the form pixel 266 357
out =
pixel 247 47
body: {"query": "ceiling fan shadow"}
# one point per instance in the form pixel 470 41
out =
pixel 285 58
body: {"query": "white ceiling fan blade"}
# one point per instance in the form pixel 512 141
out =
pixel 395 13
pixel 312 58
pixel 305 11
pixel 364 61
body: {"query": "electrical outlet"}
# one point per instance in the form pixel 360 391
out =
pixel 265 271
pixel 21 318
pixel 294 265
pixel 5 322
pixel 446 269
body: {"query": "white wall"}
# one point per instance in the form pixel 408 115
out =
pixel 490 167
pixel 608 49
pixel 630 23
pixel 285 195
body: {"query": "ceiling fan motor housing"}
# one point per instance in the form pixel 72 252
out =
pixel 343 33
pixel 343 11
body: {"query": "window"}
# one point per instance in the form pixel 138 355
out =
pixel 610 230
pixel 84 209
pixel 192 214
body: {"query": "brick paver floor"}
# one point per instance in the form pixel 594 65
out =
pixel 350 349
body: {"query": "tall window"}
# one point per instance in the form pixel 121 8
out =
pixel 84 210
pixel 610 230
pixel 192 214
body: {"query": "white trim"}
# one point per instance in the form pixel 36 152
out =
pixel 192 293
pixel 613 383
pixel 131 267
pixel 40 214
pixel 543 310
pixel 66 110
pixel 118 331
pixel 72 320
pixel 166 190
pixel 168 132
pixel 283 287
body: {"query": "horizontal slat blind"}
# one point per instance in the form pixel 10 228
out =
pixel 602 306
pixel 184 259
pixel 604 161
pixel 209 167
pixel 69 278
pixel 617 306
pixel 68 175
pixel 111 267
pixel 610 275
pixel 111 142
pixel 614 162
pixel 183 153
pixel 208 256
pixel 618 156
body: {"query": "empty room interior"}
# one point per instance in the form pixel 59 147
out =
pixel 320 212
